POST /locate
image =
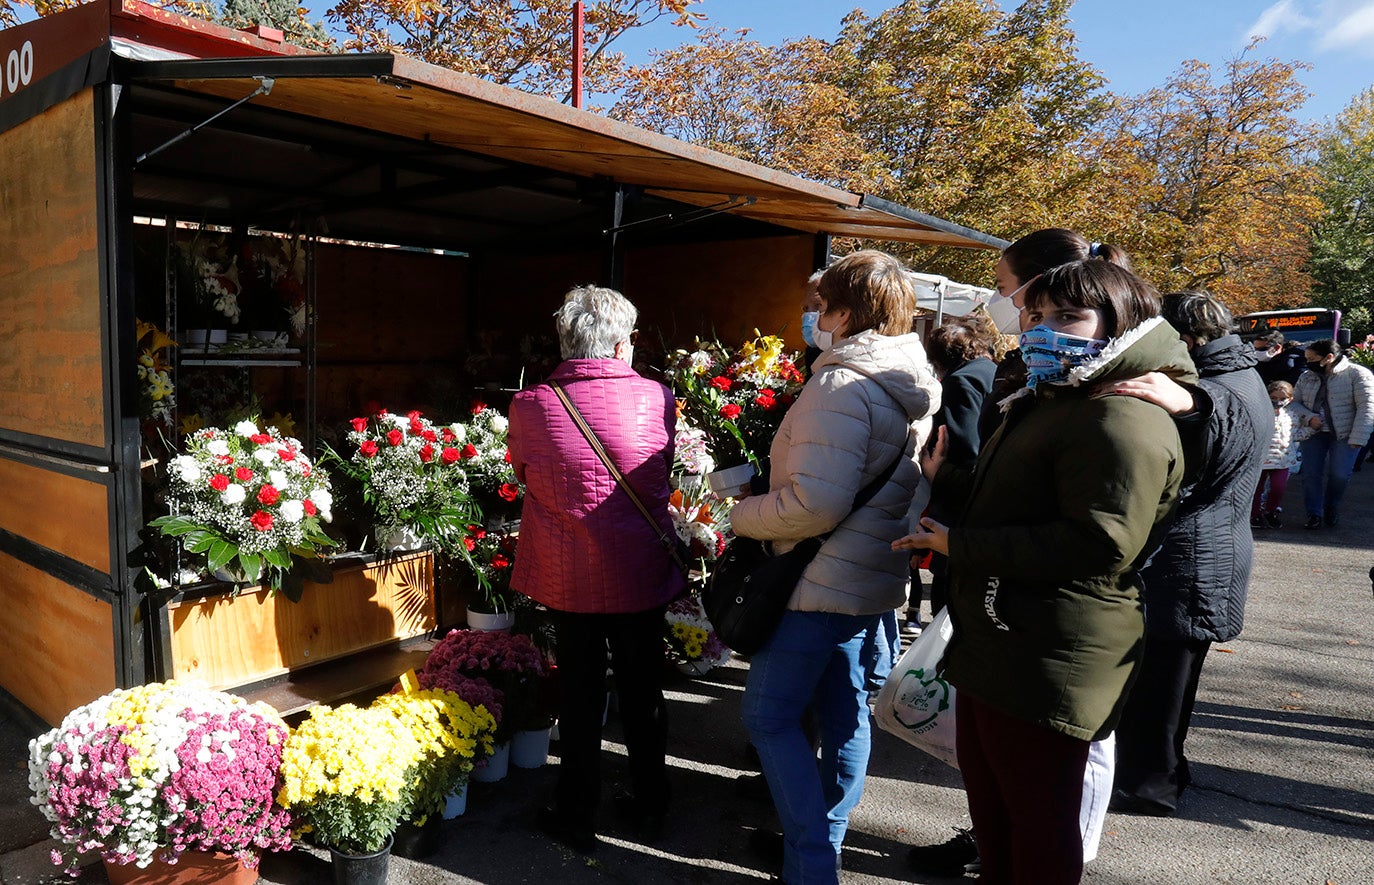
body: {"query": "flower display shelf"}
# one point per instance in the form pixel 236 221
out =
pixel 233 355
pixel 228 641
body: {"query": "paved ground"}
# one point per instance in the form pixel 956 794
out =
pixel 1282 746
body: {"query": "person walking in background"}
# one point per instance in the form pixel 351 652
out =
pixel 851 425
pixel 1067 499
pixel 1335 398
pixel 1277 358
pixel 1279 458
pixel 1195 585
pixel 589 555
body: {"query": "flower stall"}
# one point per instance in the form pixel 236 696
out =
pixel 205 227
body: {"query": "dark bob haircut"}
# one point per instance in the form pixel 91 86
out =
pixel 1125 299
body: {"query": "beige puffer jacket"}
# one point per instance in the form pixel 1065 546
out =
pixel 870 400
pixel 1350 388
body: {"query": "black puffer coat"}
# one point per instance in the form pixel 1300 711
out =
pixel 1195 585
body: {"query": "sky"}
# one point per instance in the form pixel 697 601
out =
pixel 1136 44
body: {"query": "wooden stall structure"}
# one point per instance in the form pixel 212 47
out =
pixel 441 218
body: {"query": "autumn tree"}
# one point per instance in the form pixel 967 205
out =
pixel 1208 185
pixel 521 43
pixel 285 15
pixel 776 105
pixel 1342 264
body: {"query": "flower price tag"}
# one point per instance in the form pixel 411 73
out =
pixel 409 682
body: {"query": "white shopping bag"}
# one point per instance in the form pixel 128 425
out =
pixel 917 705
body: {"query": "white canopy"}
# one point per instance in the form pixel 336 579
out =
pixel 945 297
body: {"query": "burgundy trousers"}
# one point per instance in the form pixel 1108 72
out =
pixel 1025 789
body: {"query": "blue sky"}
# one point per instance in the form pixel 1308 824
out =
pixel 1136 44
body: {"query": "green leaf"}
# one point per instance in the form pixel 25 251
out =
pixel 220 552
pixel 252 566
pixel 200 542
pixel 279 558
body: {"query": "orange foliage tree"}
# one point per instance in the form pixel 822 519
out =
pixel 521 43
pixel 1207 182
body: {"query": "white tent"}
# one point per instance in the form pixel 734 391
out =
pixel 944 297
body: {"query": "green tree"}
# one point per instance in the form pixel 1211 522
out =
pixel 1342 264
pixel 285 15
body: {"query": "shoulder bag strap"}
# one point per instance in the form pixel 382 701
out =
pixel 669 543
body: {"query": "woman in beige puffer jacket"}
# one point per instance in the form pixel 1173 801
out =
pixel 867 406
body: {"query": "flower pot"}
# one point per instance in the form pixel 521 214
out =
pixel 530 748
pixel 456 803
pixel 401 539
pixel 495 767
pixel 495 621
pixel 694 668
pixel 191 868
pixel 418 841
pixel 195 337
pixel 218 336
pixel 361 869
pixel 731 481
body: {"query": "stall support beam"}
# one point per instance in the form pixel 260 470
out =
pixel 114 197
pixel 613 262
pixel 820 251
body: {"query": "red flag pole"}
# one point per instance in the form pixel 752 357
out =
pixel 577 54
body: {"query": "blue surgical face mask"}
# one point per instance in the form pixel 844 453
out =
pixel 808 327
pixel 1051 355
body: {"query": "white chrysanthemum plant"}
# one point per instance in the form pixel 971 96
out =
pixel 248 502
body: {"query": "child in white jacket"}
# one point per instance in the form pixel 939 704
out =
pixel 1280 459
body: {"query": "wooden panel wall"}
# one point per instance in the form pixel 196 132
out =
pixel 226 641
pixel 393 328
pixel 63 513
pixel 732 287
pixel 50 366
pixel 59 642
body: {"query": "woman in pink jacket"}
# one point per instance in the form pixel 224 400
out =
pixel 589 555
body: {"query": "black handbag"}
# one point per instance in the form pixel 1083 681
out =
pixel 749 588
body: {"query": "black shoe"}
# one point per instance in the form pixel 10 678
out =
pixel 768 845
pixel 1257 523
pixel 579 836
pixel 1129 803
pixel 647 824
pixel 1313 522
pixel 951 858
pixel 1331 520
pixel 1274 520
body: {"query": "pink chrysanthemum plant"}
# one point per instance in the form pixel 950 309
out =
pixel 248 501
pixel 152 772
pixel 509 662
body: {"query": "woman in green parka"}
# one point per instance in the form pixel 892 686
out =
pixel 1066 502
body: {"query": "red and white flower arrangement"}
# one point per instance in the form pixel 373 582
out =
pixel 490 474
pixel 490 553
pixel 413 474
pixel 151 772
pixel 248 500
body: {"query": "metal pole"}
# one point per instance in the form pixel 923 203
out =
pixel 578 20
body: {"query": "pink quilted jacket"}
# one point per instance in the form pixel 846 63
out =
pixel 584 547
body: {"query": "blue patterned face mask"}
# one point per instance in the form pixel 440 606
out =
pixel 1050 355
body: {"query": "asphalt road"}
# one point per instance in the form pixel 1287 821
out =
pixel 1282 748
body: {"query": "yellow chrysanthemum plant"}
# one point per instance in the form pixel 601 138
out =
pixel 452 735
pixel 349 775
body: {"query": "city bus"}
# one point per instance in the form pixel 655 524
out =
pixel 1303 325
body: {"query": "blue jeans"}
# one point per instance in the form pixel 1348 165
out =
pixel 1327 463
pixel 814 657
pixel 881 649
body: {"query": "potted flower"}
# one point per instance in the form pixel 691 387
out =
pixel 737 398
pixel 490 475
pixel 692 644
pixel 348 777
pixel 452 734
pixel 481 696
pixel 509 662
pixel 413 477
pixel 490 557
pixel 248 503
pixel 164 773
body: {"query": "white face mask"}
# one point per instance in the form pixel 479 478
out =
pixel 823 338
pixel 1004 312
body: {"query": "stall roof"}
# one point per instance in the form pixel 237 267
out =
pixel 409 99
